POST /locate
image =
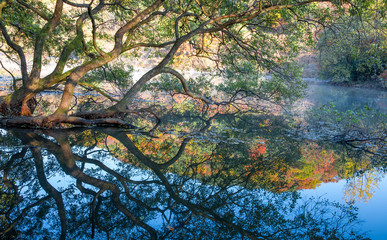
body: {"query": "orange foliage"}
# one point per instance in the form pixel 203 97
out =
pixel 257 151
pixel 318 166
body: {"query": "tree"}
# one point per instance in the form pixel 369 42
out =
pixel 355 48
pixel 241 37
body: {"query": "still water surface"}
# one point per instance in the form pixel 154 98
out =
pixel 368 190
pixel 219 176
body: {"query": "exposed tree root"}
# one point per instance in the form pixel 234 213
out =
pixel 21 108
pixel 99 118
pixel 97 114
pixel 54 121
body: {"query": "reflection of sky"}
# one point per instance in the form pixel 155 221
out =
pixel 375 211
pixel 373 214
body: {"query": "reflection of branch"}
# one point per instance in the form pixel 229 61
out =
pixel 94 205
pixel 25 210
pixel 195 208
pixel 123 138
pixel 178 154
pixel 50 190
pixel 93 212
pixel 66 159
pixel 120 178
pixel 181 225
pixel 112 172
pixel 7 167
pixel 349 143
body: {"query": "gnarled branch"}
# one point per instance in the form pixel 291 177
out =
pixel 18 49
pixel 184 84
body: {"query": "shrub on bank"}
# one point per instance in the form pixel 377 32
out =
pixel 353 51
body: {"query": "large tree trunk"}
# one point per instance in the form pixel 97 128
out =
pixel 19 103
pixel 22 101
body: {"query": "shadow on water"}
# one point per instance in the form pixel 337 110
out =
pixel 224 177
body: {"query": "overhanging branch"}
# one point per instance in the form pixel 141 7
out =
pixel 184 84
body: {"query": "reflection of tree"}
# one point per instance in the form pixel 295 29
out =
pixel 362 187
pixel 362 172
pixel 171 197
pixel 316 165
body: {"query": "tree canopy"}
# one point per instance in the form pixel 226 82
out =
pixel 355 48
pixel 239 40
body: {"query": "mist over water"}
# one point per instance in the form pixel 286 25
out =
pixel 346 98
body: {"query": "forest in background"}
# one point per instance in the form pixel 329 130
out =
pixel 238 41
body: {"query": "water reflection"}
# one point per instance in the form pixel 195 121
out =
pixel 362 187
pixel 210 179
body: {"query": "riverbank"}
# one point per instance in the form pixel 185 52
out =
pixel 368 84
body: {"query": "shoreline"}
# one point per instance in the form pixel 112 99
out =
pixel 362 85
pixel 6 80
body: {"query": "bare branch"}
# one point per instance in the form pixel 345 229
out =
pixel 80 71
pixel 19 50
pixel 122 6
pixel 184 84
pixel 76 4
pixel 13 77
pixel 186 14
pixel 99 90
pixel 151 45
pixel 148 19
pixel 94 31
pixel 202 8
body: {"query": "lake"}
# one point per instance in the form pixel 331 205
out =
pixel 346 98
pixel 217 175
